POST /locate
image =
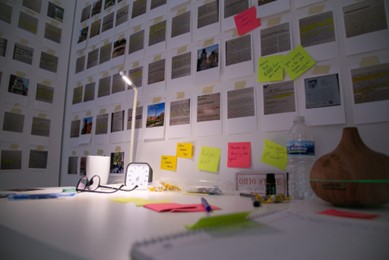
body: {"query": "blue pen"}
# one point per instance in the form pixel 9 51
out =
pixel 39 196
pixel 206 205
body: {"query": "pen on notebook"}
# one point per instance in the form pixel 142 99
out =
pixel 206 206
pixel 256 202
pixel 39 196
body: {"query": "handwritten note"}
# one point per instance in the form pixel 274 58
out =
pixel 209 159
pixel 184 150
pixel 274 154
pixel 239 155
pixel 168 162
pixel 247 21
pixel 270 68
pixel 297 61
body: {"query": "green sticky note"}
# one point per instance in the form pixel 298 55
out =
pixel 220 221
pixel 270 68
pixel 297 61
pixel 209 159
pixel 138 201
pixel 274 154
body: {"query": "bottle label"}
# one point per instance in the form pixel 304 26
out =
pixel 303 147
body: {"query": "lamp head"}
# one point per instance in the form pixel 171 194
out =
pixel 126 79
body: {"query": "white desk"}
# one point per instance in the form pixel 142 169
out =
pixel 92 226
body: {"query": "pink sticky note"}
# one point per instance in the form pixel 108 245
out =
pixel 239 155
pixel 348 214
pixel 247 21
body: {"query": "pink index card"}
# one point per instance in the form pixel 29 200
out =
pixel 239 155
pixel 348 214
pixel 247 21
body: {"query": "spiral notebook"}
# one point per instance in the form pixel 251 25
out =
pixel 276 235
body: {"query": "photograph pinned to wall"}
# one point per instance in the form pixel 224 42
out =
pixel 207 61
pixel 72 165
pixel 136 76
pixel 96 7
pixel 23 53
pixel 271 7
pixel 157 31
pixel 75 127
pixel 107 24
pixel 117 125
pixel 86 12
pixel 208 113
pixel 139 8
pixel 238 55
pixel 104 89
pixel 48 62
pixel 40 126
pixel 109 3
pixel 89 91
pixel 117 163
pixel 105 52
pixel 118 84
pixel 18 85
pixel 11 160
pixel 317 31
pixel 239 100
pixel 275 36
pixel 44 96
pixel 322 99
pixel 101 129
pixel 83 34
pixel 122 18
pixel 55 11
pixel 155 121
pixel 157 7
pixel 28 22
pixel 230 8
pixel 206 18
pixel 136 42
pixel 156 71
pixel 374 17
pixel 179 112
pixel 3 46
pixel 94 31
pixel 370 92
pixel 5 12
pixel 77 95
pixel 53 33
pixel 33 5
pixel 13 121
pixel 86 130
pixel 179 29
pixel 279 105
pixel 119 48
pixel 179 67
pixel 38 159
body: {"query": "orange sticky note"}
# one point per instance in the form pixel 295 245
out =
pixel 247 21
pixel 239 155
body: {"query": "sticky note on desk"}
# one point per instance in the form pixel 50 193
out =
pixel 219 221
pixel 138 201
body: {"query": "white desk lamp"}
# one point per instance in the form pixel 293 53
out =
pixel 137 173
pixel 130 83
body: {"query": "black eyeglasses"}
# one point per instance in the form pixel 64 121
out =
pixel 86 185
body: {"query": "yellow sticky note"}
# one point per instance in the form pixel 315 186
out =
pixel 274 155
pixel 138 201
pixel 184 150
pixel 169 162
pixel 209 159
pixel 298 61
pixel 270 68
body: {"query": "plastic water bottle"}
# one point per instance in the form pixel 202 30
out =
pixel 301 154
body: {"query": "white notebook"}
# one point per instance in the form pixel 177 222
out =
pixel 281 235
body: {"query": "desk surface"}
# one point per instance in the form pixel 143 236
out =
pixel 92 226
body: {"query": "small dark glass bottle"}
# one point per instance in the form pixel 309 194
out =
pixel 270 184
